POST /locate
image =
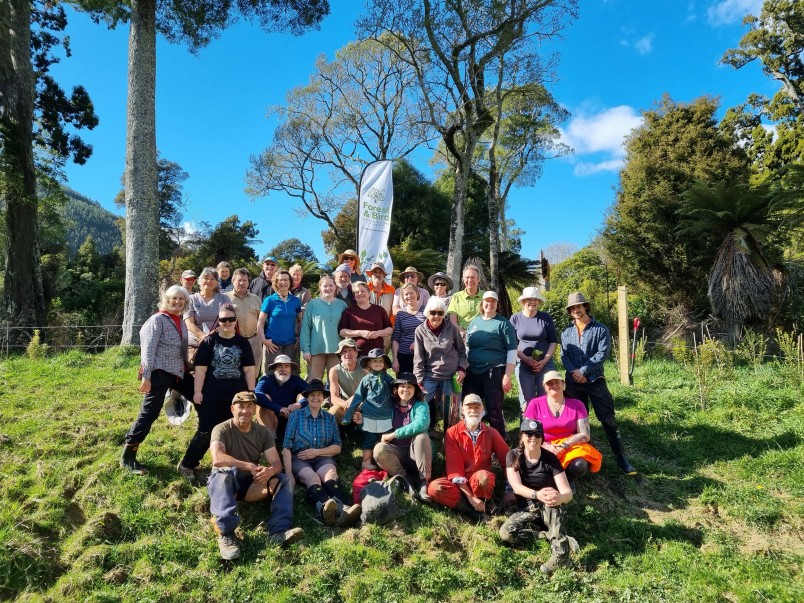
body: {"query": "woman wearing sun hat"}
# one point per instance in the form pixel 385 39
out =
pixel 351 259
pixel 441 286
pixel 536 332
pixel 410 275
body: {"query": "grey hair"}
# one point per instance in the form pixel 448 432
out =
pixel 214 272
pixel 435 303
pixel 172 291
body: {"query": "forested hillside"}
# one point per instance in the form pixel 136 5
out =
pixel 85 217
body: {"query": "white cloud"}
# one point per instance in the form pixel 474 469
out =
pixel 190 228
pixel 588 169
pixel 644 45
pixel 601 132
pixel 726 12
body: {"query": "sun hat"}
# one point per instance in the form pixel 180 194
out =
pixel 473 399
pixel 349 253
pixel 531 293
pixel 551 375
pixel 189 274
pixel 282 359
pixel 377 266
pixel 491 295
pixel 346 343
pixel 316 385
pixel 409 379
pixel 410 270
pixel 439 275
pixel 343 268
pixel 531 426
pixel 244 397
pixel 177 408
pixel 573 299
pixel 372 354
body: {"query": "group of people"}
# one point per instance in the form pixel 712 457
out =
pixel 267 434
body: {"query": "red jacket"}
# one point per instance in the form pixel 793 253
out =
pixel 465 458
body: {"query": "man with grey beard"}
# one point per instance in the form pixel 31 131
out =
pixel 468 447
pixel 279 393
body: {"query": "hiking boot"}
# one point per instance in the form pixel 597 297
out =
pixel 349 516
pixel 555 562
pixel 287 537
pixel 627 468
pixel 329 512
pixel 185 472
pixel 423 496
pixel 128 460
pixel 229 546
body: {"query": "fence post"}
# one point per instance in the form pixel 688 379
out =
pixel 622 322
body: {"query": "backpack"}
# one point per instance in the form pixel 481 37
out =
pixel 379 500
pixel 362 479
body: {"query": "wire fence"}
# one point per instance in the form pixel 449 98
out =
pixel 91 338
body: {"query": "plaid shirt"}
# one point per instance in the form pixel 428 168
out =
pixel 586 353
pixel 162 347
pixel 304 431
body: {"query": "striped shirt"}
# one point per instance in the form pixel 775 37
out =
pixel 405 329
pixel 305 431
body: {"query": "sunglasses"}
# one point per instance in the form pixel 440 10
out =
pixel 227 319
pixel 530 434
pixel 190 278
pixel 440 284
pixel 436 313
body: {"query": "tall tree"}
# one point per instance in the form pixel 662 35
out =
pixel 230 240
pixel 677 144
pixel 293 250
pixel 195 23
pixel 454 48
pixel 35 115
pixel 355 110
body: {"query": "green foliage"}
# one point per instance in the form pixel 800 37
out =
pixel 753 348
pixel 290 251
pixel 676 145
pixel 36 348
pixel 86 217
pixel 230 240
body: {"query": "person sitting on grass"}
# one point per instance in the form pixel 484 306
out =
pixel 468 447
pixel 406 450
pixel 373 398
pixel 310 445
pixel 542 490
pixel 238 445
pixel 279 393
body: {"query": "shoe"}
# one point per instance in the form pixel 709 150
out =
pixel 423 496
pixel 229 546
pixel 329 512
pixel 349 516
pixel 628 469
pixel 185 472
pixel 287 537
pixel 554 563
pixel 128 460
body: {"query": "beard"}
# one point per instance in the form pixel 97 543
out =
pixel 472 423
pixel 282 378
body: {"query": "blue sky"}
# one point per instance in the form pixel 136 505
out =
pixel 617 59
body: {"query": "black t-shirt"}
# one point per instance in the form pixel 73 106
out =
pixel 540 474
pixel 224 359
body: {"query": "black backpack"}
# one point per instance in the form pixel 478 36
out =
pixel 379 500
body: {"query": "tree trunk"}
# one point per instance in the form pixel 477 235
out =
pixel 140 178
pixel 456 228
pixel 23 300
pixel 494 219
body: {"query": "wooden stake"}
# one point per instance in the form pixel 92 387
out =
pixel 622 321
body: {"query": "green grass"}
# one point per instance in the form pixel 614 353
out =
pixel 717 514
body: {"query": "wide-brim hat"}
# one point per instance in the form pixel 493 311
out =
pixel 346 343
pixel 573 299
pixel 408 379
pixel 372 354
pixel 437 275
pixel 177 407
pixel 532 426
pixel 377 266
pixel 316 385
pixel 349 253
pixel 410 270
pixel 551 375
pixel 282 359
pixel 531 293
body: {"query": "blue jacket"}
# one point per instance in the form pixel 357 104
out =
pixel 374 393
pixel 586 353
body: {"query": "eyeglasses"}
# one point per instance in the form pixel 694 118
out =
pixel 440 284
pixel 227 319
pixel 436 313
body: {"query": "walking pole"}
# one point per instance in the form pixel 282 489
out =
pixel 637 322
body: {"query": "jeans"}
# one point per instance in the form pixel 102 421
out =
pixel 438 389
pixel 223 485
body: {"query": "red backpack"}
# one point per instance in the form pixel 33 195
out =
pixel 366 476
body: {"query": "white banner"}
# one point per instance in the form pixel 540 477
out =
pixel 374 215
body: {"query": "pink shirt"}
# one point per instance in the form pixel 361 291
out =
pixel 556 428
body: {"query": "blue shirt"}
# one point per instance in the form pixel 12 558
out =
pixel 586 352
pixel 281 396
pixel 305 431
pixel 280 322
pixel 374 393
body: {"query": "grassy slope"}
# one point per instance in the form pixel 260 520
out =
pixel 717 515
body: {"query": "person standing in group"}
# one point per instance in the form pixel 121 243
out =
pixel 536 333
pixel 585 345
pixel 261 286
pixel 491 341
pixel 163 366
pixel 364 322
pixel 225 276
pixel 188 279
pixel 247 308
pixel 351 259
pixel 318 335
pixel 298 290
pixel 381 294
pixel 441 286
pixel 343 284
pixel 408 318
pixel 409 276
pixel 279 316
pixel 465 305
pixel 224 366
pixel 201 315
